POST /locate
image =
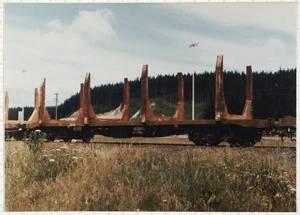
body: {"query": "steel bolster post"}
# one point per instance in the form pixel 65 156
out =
pixel 126 106
pixel 179 114
pixel 220 103
pixel 43 113
pixel 89 114
pixel 35 114
pixel 248 108
pixel 146 111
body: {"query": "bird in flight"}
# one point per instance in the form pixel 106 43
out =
pixel 193 45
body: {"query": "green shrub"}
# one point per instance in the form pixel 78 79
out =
pixel 34 140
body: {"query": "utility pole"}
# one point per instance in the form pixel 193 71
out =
pixel 56 100
pixel 193 97
pixel 193 45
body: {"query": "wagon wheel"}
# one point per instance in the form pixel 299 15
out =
pixel 86 139
pixel 198 139
pixel 199 142
pixel 213 140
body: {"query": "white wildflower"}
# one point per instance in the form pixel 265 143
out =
pixel 63 148
pixel 278 195
pixel 58 141
pixel 75 141
pixel 291 188
pixel 249 188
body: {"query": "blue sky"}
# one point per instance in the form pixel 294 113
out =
pixel 62 42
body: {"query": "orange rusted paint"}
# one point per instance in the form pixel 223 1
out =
pixel 43 113
pixel 125 114
pixel 146 109
pixel 89 113
pixel 248 107
pixel 8 123
pixel 80 115
pixel 91 117
pixel 34 118
pixel 81 95
pixel 179 113
pixel 44 117
pixel 221 111
pixel 86 114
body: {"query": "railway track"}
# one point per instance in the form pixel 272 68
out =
pixel 182 140
pixel 221 145
pixel 171 142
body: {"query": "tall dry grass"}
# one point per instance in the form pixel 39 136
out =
pixel 129 178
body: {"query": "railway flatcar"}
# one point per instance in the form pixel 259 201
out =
pixel 237 130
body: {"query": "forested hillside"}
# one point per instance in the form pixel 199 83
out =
pixel 274 94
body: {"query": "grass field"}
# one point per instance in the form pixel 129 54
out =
pixel 119 177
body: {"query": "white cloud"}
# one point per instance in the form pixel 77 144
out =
pixel 62 55
pixel 65 53
pixel 276 44
pixel 55 25
pixel 95 25
pixel 263 54
pixel 273 16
